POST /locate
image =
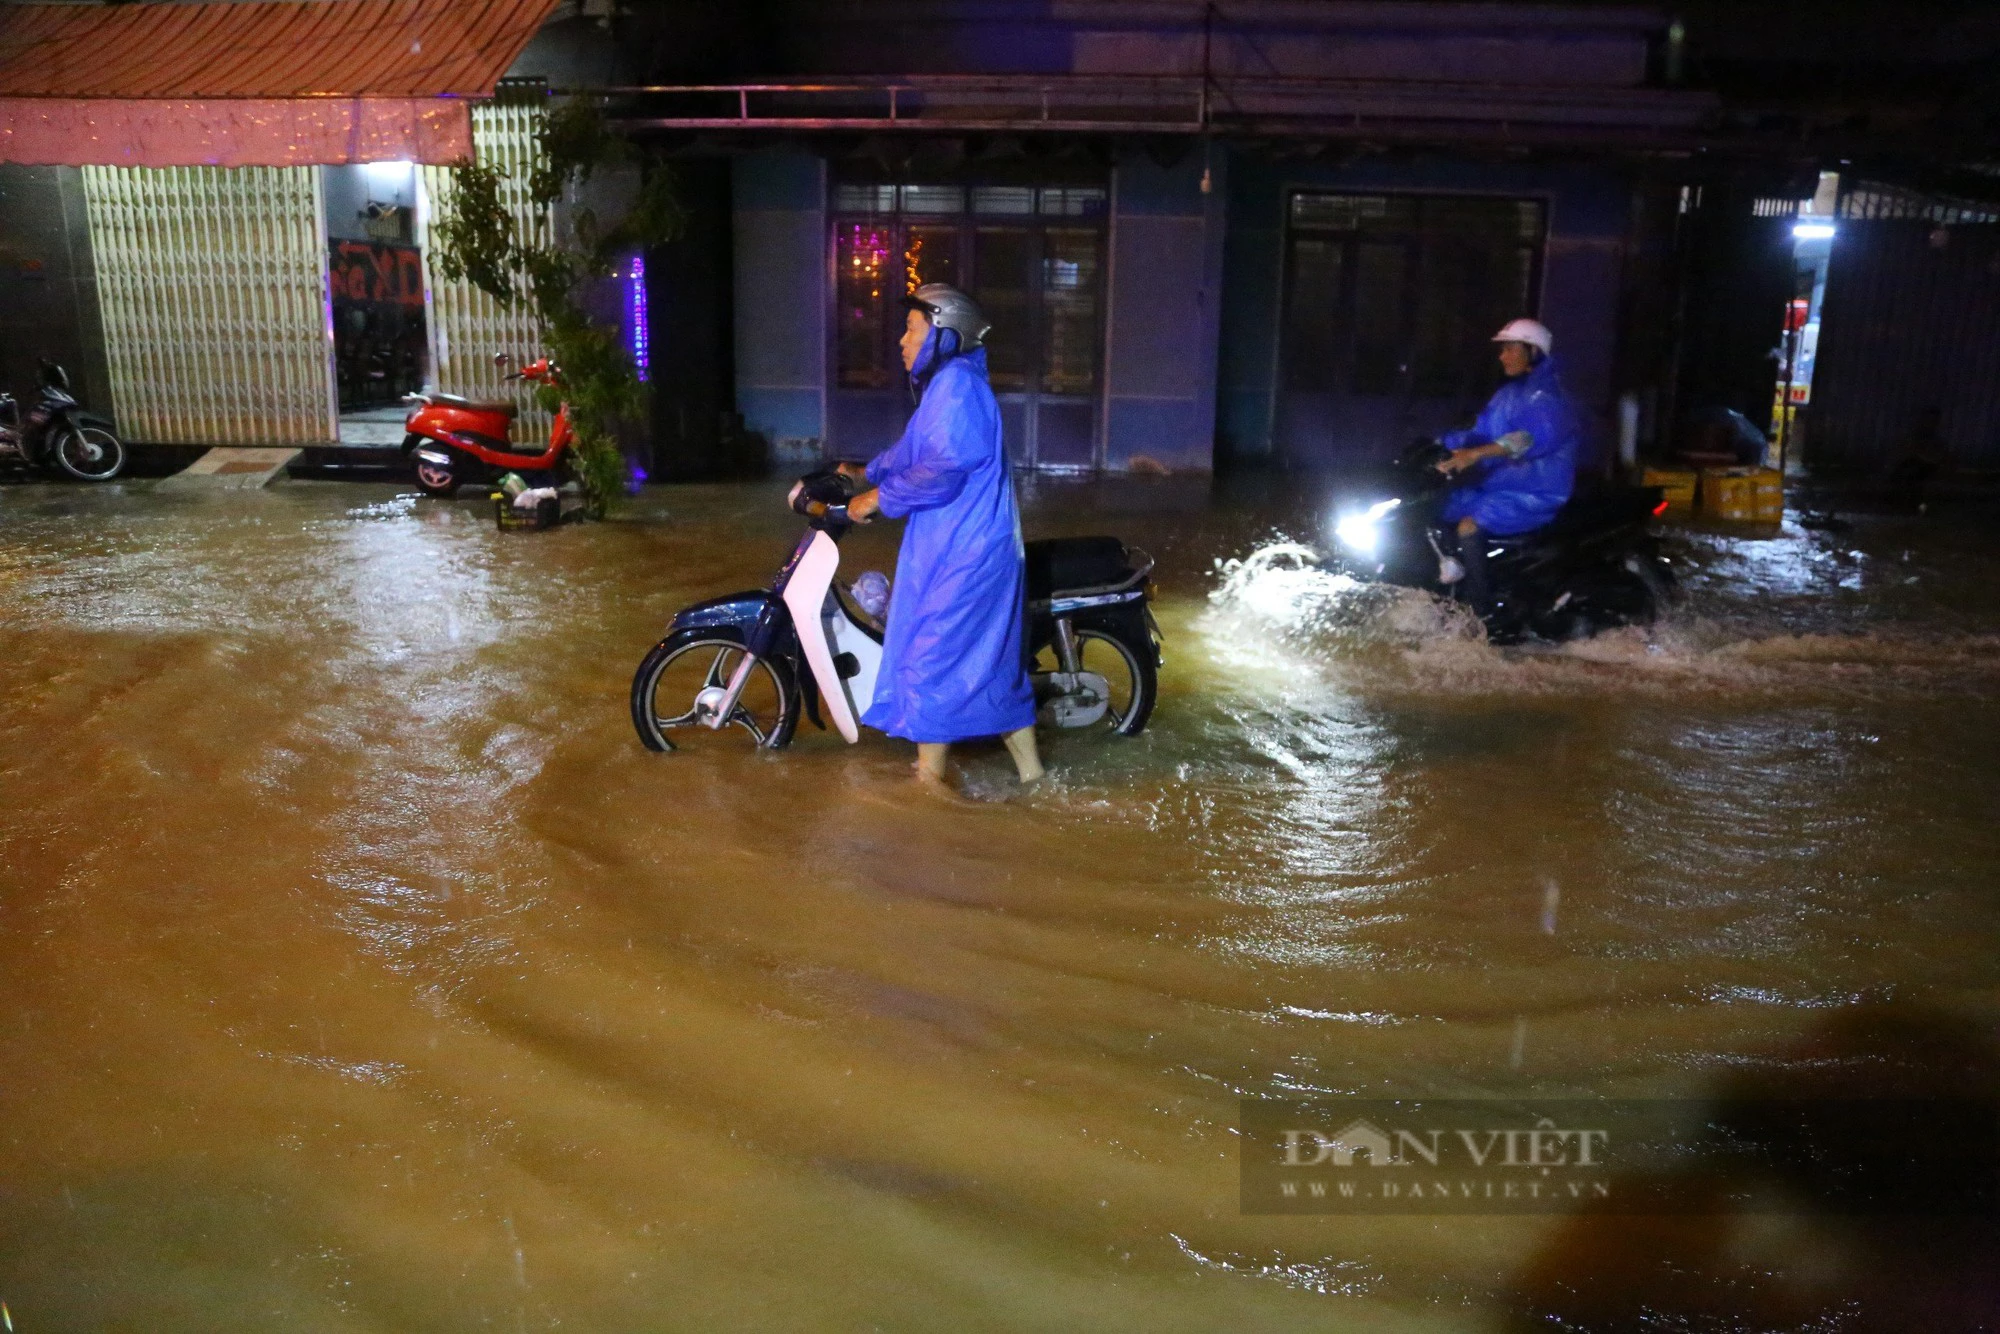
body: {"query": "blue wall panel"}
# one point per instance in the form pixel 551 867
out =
pixel 1163 323
pixel 781 297
pixel 1161 429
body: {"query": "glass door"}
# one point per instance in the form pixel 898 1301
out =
pixel 1390 303
pixel 1032 256
pixel 1072 339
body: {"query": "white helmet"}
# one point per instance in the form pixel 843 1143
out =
pixel 1532 332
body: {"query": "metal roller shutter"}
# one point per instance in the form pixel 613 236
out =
pixel 212 282
pixel 467 326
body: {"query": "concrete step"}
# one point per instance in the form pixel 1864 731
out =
pixel 230 468
pixel 350 463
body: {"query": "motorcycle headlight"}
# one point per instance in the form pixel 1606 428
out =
pixel 1361 532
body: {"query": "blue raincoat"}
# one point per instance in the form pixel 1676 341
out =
pixel 1506 496
pixel 951 660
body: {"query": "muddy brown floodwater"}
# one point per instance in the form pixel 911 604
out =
pixel 360 971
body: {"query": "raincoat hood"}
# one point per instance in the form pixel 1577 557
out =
pixel 941 345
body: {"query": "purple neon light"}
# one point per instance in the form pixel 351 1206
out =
pixel 637 310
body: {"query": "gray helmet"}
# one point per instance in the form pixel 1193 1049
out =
pixel 950 308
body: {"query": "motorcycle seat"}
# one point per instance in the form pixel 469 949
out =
pixel 1060 564
pixel 470 404
pixel 1595 512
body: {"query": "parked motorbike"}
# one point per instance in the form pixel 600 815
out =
pixel 757 660
pixel 58 432
pixel 1597 565
pixel 452 441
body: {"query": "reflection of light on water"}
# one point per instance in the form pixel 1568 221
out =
pixel 1313 873
pixel 1348 1278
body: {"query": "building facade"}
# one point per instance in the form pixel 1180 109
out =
pixel 1265 232
pixel 1254 233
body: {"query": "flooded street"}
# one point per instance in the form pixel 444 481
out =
pixel 362 971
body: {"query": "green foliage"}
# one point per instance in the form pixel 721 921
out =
pixel 525 263
pixel 473 240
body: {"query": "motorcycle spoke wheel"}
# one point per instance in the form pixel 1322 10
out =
pixel 1112 659
pixel 436 479
pixel 90 454
pixel 668 698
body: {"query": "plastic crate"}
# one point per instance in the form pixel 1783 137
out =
pixel 546 513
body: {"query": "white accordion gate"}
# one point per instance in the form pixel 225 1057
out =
pixel 212 282
pixel 467 326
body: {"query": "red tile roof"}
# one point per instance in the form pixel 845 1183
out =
pixel 263 48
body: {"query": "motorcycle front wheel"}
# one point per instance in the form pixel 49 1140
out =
pixel 1126 668
pixel 90 454
pixel 436 479
pixel 679 685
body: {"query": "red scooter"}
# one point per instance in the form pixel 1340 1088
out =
pixel 453 441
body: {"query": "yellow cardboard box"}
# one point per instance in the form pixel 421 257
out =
pixel 1677 485
pixel 1768 495
pixel 1743 495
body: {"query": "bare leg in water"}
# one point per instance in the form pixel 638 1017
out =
pixel 933 755
pixel 1027 757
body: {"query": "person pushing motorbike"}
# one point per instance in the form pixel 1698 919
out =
pixel 1520 455
pixel 952 665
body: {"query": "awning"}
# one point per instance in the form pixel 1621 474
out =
pixel 253 83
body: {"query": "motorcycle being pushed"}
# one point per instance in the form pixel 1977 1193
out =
pixel 755 661
pixel 1596 566
pixel 58 433
pixel 452 441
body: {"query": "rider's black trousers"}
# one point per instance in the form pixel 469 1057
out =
pixel 1478 584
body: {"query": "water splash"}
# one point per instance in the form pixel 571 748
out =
pixel 1279 618
pixel 1282 587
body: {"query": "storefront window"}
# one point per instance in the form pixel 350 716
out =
pixel 1069 296
pixel 1398 295
pixel 930 255
pixel 1311 327
pixel 866 288
pixel 1003 260
pixel 1003 200
pixel 1032 257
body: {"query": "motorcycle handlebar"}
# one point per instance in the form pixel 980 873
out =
pixel 822 497
pixel 1423 454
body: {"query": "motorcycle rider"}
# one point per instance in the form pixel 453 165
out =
pixel 951 657
pixel 1520 454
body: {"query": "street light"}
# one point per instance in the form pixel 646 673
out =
pixel 1813 231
